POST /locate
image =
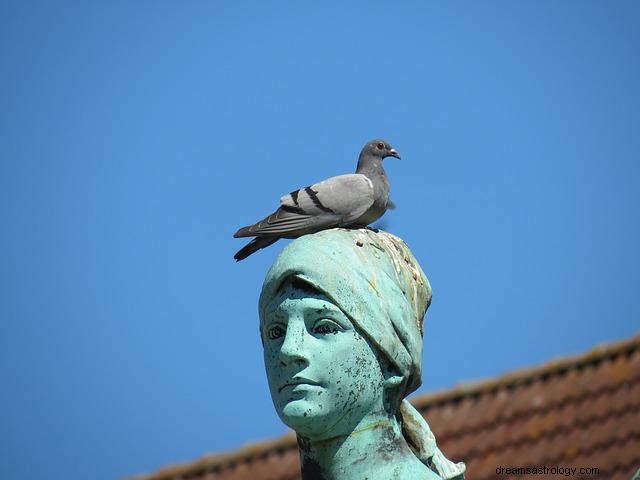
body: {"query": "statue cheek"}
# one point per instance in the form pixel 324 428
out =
pixel 272 364
pixel 357 379
pixel 368 374
pixel 269 358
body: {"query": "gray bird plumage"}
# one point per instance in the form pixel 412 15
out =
pixel 353 200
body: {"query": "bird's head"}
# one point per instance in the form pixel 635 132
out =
pixel 379 148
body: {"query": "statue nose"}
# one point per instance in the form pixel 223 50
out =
pixel 293 346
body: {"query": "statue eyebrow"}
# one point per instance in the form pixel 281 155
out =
pixel 299 284
pixel 327 307
pixel 274 315
pixel 331 309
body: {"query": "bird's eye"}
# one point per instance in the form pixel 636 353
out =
pixel 380 146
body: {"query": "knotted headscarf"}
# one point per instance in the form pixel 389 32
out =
pixel 377 282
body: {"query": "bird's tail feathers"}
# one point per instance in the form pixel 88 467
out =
pixel 254 245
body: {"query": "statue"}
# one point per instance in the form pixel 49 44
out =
pixel 341 322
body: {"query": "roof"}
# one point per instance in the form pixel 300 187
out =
pixel 581 411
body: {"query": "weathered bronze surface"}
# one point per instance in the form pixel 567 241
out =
pixel 341 321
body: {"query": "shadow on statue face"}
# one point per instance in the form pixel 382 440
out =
pixel 323 375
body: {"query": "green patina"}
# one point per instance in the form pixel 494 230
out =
pixel 341 320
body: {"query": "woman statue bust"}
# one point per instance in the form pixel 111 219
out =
pixel 341 321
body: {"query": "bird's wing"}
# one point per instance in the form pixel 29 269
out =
pixel 335 202
pixel 280 223
pixel 343 198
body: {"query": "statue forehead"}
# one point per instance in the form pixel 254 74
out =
pixel 293 295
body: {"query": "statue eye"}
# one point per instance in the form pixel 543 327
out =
pixel 325 327
pixel 380 146
pixel 274 332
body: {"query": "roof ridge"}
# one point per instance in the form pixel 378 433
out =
pixel 597 354
pixel 252 451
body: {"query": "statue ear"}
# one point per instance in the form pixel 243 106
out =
pixel 392 385
pixel 392 378
pixel 392 382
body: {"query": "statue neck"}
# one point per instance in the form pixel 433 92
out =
pixel 373 450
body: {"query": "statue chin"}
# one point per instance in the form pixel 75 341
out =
pixel 302 416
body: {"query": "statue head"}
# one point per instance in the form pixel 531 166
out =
pixel 341 321
pixel 341 315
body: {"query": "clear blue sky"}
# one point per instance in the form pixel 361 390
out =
pixel 136 137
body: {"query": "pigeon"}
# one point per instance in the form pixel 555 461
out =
pixel 353 200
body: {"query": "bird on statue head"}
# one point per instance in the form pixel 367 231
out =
pixel 353 200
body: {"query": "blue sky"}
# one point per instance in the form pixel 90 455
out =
pixel 136 137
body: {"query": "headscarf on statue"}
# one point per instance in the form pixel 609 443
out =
pixel 376 281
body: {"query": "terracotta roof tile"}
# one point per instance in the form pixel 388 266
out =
pixel 581 411
pixel 494 410
pixel 463 416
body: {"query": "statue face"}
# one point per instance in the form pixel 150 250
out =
pixel 323 375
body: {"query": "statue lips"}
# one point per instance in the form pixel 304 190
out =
pixel 295 381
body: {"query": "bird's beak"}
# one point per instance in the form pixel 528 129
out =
pixel 394 153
